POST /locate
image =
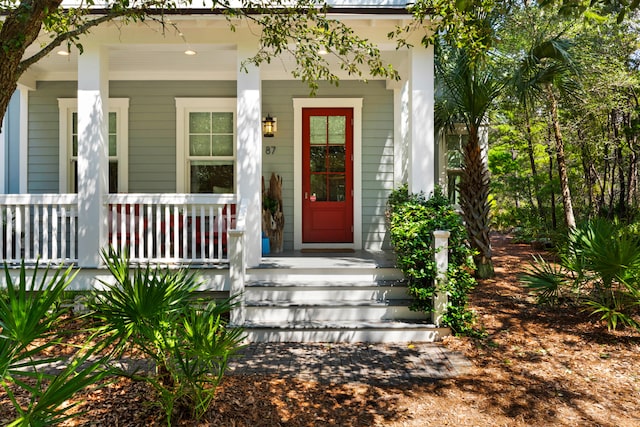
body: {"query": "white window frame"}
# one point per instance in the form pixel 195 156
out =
pixel 184 106
pixel 68 106
pixel 459 131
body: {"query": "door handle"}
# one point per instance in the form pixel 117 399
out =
pixel 306 195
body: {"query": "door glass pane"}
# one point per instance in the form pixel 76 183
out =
pixel 337 129
pixel 222 122
pixel 319 187
pixel 212 176
pixel 199 145
pixel 337 188
pixel 74 176
pixel 318 130
pixel 113 135
pixel 74 134
pixel 222 145
pixel 318 159
pixel 337 158
pixel 199 122
pixel 113 123
pixel 113 177
pixel 113 145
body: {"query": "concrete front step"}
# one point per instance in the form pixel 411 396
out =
pixel 329 274
pixel 335 299
pixel 345 332
pixel 334 310
pixel 321 291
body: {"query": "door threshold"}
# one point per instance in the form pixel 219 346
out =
pixel 327 250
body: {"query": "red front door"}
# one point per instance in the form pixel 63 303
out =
pixel 327 175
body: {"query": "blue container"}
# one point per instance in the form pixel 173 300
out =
pixel 266 246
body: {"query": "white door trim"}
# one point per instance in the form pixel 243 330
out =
pixel 298 105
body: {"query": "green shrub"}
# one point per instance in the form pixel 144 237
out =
pixel 155 311
pixel 598 269
pixel 30 322
pixel 412 219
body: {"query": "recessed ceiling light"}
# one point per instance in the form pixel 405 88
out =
pixel 190 52
pixel 63 52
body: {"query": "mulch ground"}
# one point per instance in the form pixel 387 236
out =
pixel 537 367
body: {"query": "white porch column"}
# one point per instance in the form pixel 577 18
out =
pixel 421 133
pixel 24 138
pixel 401 122
pixel 249 151
pixel 93 142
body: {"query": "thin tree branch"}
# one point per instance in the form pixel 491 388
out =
pixel 82 29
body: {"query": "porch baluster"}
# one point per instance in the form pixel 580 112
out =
pixel 45 232
pixel 36 232
pixel 73 232
pixel 9 222
pixel 63 232
pixel 54 232
pixel 149 231
pixel 27 232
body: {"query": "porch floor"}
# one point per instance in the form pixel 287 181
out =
pixel 324 259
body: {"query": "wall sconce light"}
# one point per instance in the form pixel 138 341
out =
pixel 269 126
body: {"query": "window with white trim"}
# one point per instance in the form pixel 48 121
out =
pixel 206 145
pixel 118 130
pixel 454 164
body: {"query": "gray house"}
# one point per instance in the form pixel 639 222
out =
pixel 159 144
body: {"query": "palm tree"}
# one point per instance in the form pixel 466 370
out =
pixel 548 69
pixel 468 89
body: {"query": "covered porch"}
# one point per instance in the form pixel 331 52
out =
pixel 67 204
pixel 101 150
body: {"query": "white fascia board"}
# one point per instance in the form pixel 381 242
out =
pixel 236 4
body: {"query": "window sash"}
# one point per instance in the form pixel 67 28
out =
pixel 118 125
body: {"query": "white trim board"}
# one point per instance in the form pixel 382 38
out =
pixel 3 150
pixel 298 105
pixel 183 107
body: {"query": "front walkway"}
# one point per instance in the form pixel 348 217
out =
pixel 379 364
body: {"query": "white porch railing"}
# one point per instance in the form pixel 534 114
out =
pixel 39 226
pixel 168 228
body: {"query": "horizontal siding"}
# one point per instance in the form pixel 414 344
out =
pixel 377 148
pixel 42 159
pixel 152 129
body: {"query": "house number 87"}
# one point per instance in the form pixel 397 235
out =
pixel 270 149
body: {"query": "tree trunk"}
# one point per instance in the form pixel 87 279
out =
pixel 19 30
pixel 587 165
pixel 554 220
pixel 632 170
pixel 604 179
pixel 474 201
pixel 560 158
pixel 532 162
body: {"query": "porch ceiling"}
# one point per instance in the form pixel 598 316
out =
pixel 141 52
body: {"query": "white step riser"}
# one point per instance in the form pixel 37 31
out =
pixel 347 336
pixel 330 314
pixel 327 276
pixel 306 294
